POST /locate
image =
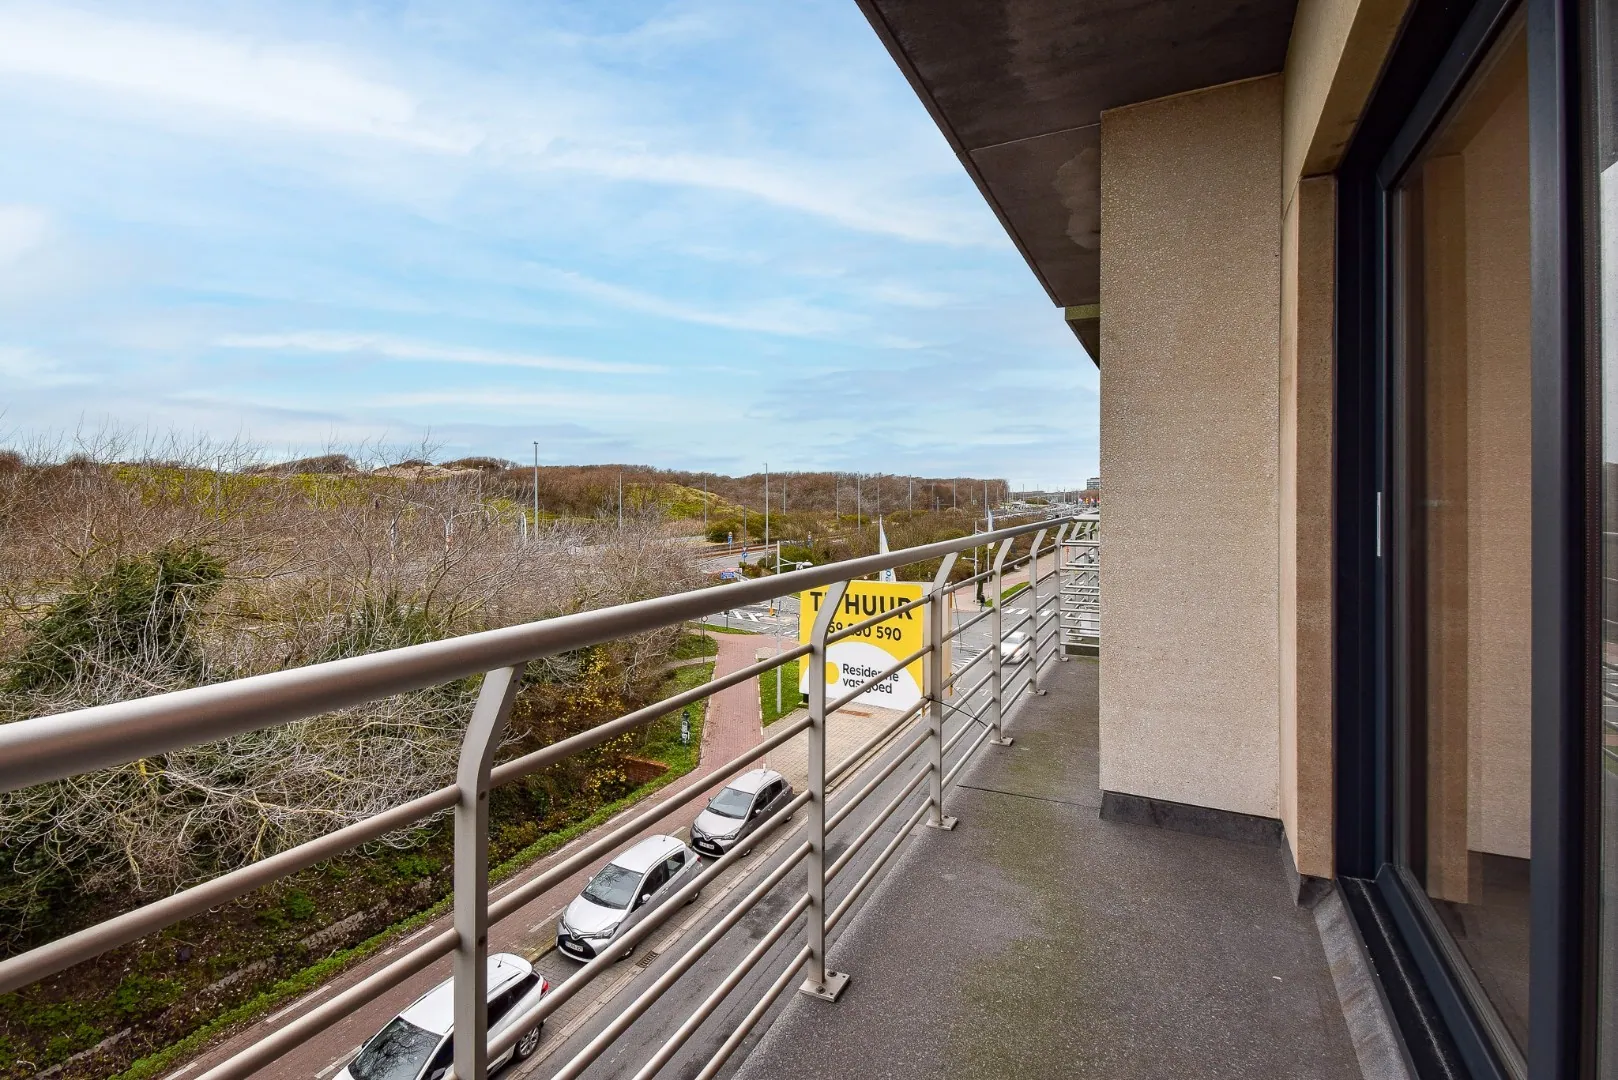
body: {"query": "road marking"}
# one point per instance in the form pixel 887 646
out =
pixel 306 999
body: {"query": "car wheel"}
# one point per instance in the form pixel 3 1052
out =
pixel 529 1042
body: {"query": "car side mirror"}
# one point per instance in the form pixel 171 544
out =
pixel 644 897
pixel 438 1074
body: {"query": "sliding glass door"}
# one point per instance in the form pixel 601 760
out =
pixel 1461 372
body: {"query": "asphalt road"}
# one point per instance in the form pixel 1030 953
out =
pixel 531 930
pixel 625 1056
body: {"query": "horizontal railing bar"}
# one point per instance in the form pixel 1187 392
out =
pixel 46 748
pixel 950 776
pixel 253 1058
pixel 754 1015
pixel 970 664
pixel 697 950
pixel 875 868
pixel 557 751
pixel 535 887
pixel 973 621
pixel 565 991
pixel 873 680
pixel 683 1033
pixel 59 955
pixel 876 823
pixel 961 732
pixel 836 771
pixel 880 617
pixel 871 784
pixel 967 696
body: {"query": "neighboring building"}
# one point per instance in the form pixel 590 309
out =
pixel 1342 262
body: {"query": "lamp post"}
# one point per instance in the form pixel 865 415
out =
pixel 536 486
pixel 766 506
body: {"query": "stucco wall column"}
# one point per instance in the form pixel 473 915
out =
pixel 1190 283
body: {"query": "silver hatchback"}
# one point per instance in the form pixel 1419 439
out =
pixel 738 810
pixel 629 888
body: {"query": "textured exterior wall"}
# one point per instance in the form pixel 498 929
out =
pixel 1190 282
pixel 1306 541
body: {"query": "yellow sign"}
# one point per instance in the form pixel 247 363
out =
pixel 873 650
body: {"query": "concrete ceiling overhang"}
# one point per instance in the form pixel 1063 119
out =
pixel 1018 88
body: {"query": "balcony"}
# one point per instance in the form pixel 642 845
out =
pixel 944 893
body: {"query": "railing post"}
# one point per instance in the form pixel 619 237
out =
pixel 1056 595
pixel 818 982
pixel 471 872
pixel 997 632
pixel 1033 612
pixel 933 676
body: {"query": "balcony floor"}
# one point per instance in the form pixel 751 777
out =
pixel 1037 940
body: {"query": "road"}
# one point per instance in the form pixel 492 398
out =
pixel 731 727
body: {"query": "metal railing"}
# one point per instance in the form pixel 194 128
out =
pixel 51 748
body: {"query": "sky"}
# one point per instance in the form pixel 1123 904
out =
pixel 689 235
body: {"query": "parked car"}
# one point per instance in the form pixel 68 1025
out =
pixel 624 892
pixel 740 808
pixel 1014 649
pixel 418 1043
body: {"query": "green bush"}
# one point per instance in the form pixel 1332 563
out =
pixel 141 609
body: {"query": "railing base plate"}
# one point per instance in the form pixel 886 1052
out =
pixel 1004 740
pixel 830 990
pixel 944 824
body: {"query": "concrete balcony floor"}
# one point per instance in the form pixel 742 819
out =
pixel 1037 940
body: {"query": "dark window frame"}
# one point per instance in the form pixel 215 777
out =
pixel 1437 50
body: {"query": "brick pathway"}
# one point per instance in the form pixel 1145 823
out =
pixel 731 726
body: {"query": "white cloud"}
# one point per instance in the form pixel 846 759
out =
pixel 796 188
pixel 28 367
pixel 23 230
pixel 397 348
pixel 786 317
pixel 617 405
pixel 291 85
pixel 319 90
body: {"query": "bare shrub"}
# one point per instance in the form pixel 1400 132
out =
pixel 121 578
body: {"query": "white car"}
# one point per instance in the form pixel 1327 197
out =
pixel 419 1045
pixel 623 893
pixel 1014 649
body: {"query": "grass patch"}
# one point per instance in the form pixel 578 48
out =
pixel 692 646
pixel 790 697
pixel 1013 591
pixel 662 744
pixel 662 736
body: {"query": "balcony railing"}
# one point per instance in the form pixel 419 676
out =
pixel 49 748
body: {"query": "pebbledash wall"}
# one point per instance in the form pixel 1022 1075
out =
pixel 1190 289
pixel 1217 290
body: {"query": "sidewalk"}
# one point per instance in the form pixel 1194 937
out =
pixel 731 726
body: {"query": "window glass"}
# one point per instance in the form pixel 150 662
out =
pixel 613 887
pixel 1461 323
pixel 1603 66
pixel 397 1053
pixel 731 803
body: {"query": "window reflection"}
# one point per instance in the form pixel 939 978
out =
pixel 1463 318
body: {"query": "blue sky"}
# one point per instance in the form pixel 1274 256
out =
pixel 698 235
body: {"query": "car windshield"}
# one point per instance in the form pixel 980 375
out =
pixel 614 887
pixel 397 1053
pixel 731 803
